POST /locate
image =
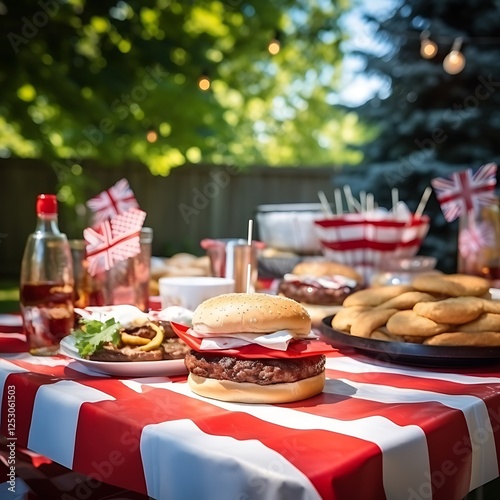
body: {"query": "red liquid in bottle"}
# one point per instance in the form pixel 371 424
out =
pixel 48 314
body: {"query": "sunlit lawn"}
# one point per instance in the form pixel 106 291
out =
pixel 9 295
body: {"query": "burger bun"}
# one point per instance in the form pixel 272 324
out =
pixel 246 392
pixel 251 313
pixel 322 268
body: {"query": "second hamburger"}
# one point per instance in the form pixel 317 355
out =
pixel 320 286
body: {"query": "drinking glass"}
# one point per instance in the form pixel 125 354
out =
pixel 127 282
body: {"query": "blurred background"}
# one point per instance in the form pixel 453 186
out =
pixel 210 108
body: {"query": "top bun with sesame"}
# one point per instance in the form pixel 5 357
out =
pixel 251 313
pixel 322 268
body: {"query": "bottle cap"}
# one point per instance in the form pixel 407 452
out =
pixel 46 204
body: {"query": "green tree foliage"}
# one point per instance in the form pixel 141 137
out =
pixel 118 80
pixel 429 114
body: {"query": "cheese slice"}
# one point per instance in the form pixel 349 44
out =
pixel 277 340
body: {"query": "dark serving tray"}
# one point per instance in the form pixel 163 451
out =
pixel 410 353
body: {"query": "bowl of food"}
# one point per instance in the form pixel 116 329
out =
pixel 367 241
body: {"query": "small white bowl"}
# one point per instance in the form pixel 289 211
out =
pixel 190 291
pixel 290 227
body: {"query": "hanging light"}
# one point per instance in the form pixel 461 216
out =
pixel 454 62
pixel 428 48
pixel 152 136
pixel 204 82
pixel 274 45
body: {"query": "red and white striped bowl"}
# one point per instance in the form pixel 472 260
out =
pixel 366 242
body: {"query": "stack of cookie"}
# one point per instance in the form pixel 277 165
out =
pixel 447 310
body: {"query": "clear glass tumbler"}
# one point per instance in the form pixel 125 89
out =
pixel 127 282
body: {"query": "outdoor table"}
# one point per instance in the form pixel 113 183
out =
pixel 377 431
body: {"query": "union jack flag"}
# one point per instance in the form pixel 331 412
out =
pixel 114 240
pixel 113 201
pixel 476 237
pixel 466 191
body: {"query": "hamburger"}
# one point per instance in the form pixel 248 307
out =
pixel 320 286
pixel 125 333
pixel 253 348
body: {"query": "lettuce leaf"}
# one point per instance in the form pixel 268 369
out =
pixel 93 334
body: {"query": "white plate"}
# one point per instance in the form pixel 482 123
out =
pixel 165 368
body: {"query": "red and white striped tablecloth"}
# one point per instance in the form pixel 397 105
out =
pixel 377 431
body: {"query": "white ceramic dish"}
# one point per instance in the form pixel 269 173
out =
pixel 290 227
pixel 190 291
pixel 135 369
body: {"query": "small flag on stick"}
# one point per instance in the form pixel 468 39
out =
pixel 112 202
pixel 465 191
pixel 114 240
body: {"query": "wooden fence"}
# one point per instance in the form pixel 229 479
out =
pixel 192 203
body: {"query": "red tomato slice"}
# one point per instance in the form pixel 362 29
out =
pixel 296 348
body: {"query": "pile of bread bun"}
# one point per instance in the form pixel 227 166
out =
pixel 180 264
pixel 436 309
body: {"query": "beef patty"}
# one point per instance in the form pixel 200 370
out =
pixel 255 371
pixel 170 349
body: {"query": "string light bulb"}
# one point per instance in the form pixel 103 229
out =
pixel 274 45
pixel 454 62
pixel 152 136
pixel 428 48
pixel 204 82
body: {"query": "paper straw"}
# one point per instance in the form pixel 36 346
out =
pixel 249 277
pixel 325 205
pixel 249 265
pixel 250 230
pixel 370 202
pixel 423 202
pixel 338 202
pixel 395 198
pixel 362 201
pixel 352 204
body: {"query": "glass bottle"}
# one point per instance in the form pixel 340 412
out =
pixel 46 281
